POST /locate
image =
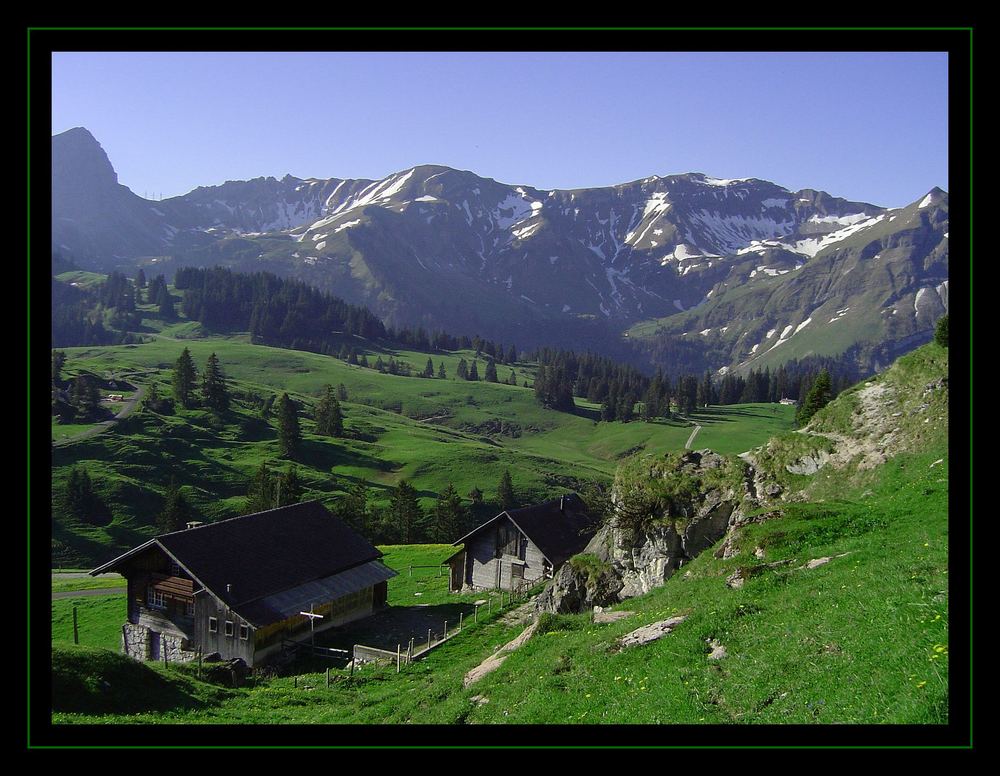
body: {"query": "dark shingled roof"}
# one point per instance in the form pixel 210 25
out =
pixel 264 553
pixel 560 533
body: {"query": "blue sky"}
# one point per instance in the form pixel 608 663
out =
pixel 865 126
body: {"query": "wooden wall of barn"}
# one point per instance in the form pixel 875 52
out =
pixel 485 570
pixel 206 606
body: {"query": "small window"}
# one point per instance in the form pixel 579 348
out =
pixel 229 628
pixel 244 632
pixel 155 598
pixel 213 625
pixel 189 609
pixel 175 570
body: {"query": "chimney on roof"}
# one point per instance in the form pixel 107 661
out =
pixel 562 503
pixel 229 588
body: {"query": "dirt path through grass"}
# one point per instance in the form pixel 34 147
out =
pixel 127 408
pixel 687 445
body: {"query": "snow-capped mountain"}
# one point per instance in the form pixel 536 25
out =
pixel 446 248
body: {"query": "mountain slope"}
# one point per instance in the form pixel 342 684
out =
pixel 445 248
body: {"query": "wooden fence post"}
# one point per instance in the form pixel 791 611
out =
pixel 411 571
pixel 76 633
pixel 475 613
pixel 460 616
pixel 428 638
pixel 397 658
pixel 409 652
pixel 327 677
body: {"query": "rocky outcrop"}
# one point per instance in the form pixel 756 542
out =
pixel 630 558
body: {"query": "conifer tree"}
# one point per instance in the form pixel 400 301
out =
pixel 58 361
pixel 176 512
pixel 80 497
pixel 429 369
pixel 342 392
pixel 405 514
pixel 441 373
pixel 491 371
pixel 289 431
pixel 328 416
pixel 213 386
pixel 289 487
pixel 86 396
pixel 941 331
pixel 354 508
pixel 505 492
pixel 448 516
pixel 260 491
pixel 474 372
pixel 462 371
pixel 818 397
pixel 184 379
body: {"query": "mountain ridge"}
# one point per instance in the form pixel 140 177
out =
pixel 444 248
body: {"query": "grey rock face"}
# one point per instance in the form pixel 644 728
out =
pixel 640 560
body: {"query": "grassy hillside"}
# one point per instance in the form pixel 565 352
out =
pixel 861 639
pixel 843 619
pixel 429 431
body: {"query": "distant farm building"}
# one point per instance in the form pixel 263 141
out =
pixel 237 588
pixel 791 402
pixel 116 397
pixel 520 547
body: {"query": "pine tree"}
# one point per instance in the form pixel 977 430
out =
pixel 405 514
pixel 448 516
pixel 260 491
pixel 818 397
pixel 462 371
pixel 505 492
pixel 441 373
pixel 58 360
pixel 476 495
pixel 176 512
pixel 86 396
pixel 491 371
pixel 289 487
pixel 140 279
pixel 184 379
pixel 328 416
pixel 213 386
pixel 165 302
pixel 474 372
pixel 342 392
pixel 429 369
pixel 353 507
pixel 80 497
pixel 289 431
pixel 941 331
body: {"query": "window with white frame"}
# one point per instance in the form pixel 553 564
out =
pixel 229 628
pixel 155 598
pixel 213 625
pixel 189 609
pixel 244 632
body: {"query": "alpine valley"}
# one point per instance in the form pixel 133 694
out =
pixel 685 270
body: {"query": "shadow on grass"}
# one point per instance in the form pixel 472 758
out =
pixel 396 625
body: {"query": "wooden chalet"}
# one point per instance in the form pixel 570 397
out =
pixel 520 547
pixel 237 587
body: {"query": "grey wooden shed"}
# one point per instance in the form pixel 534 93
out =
pixel 520 547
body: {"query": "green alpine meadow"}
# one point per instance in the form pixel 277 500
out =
pixel 408 397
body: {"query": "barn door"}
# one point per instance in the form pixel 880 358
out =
pixel 154 645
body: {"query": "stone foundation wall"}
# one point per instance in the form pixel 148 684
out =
pixel 136 644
